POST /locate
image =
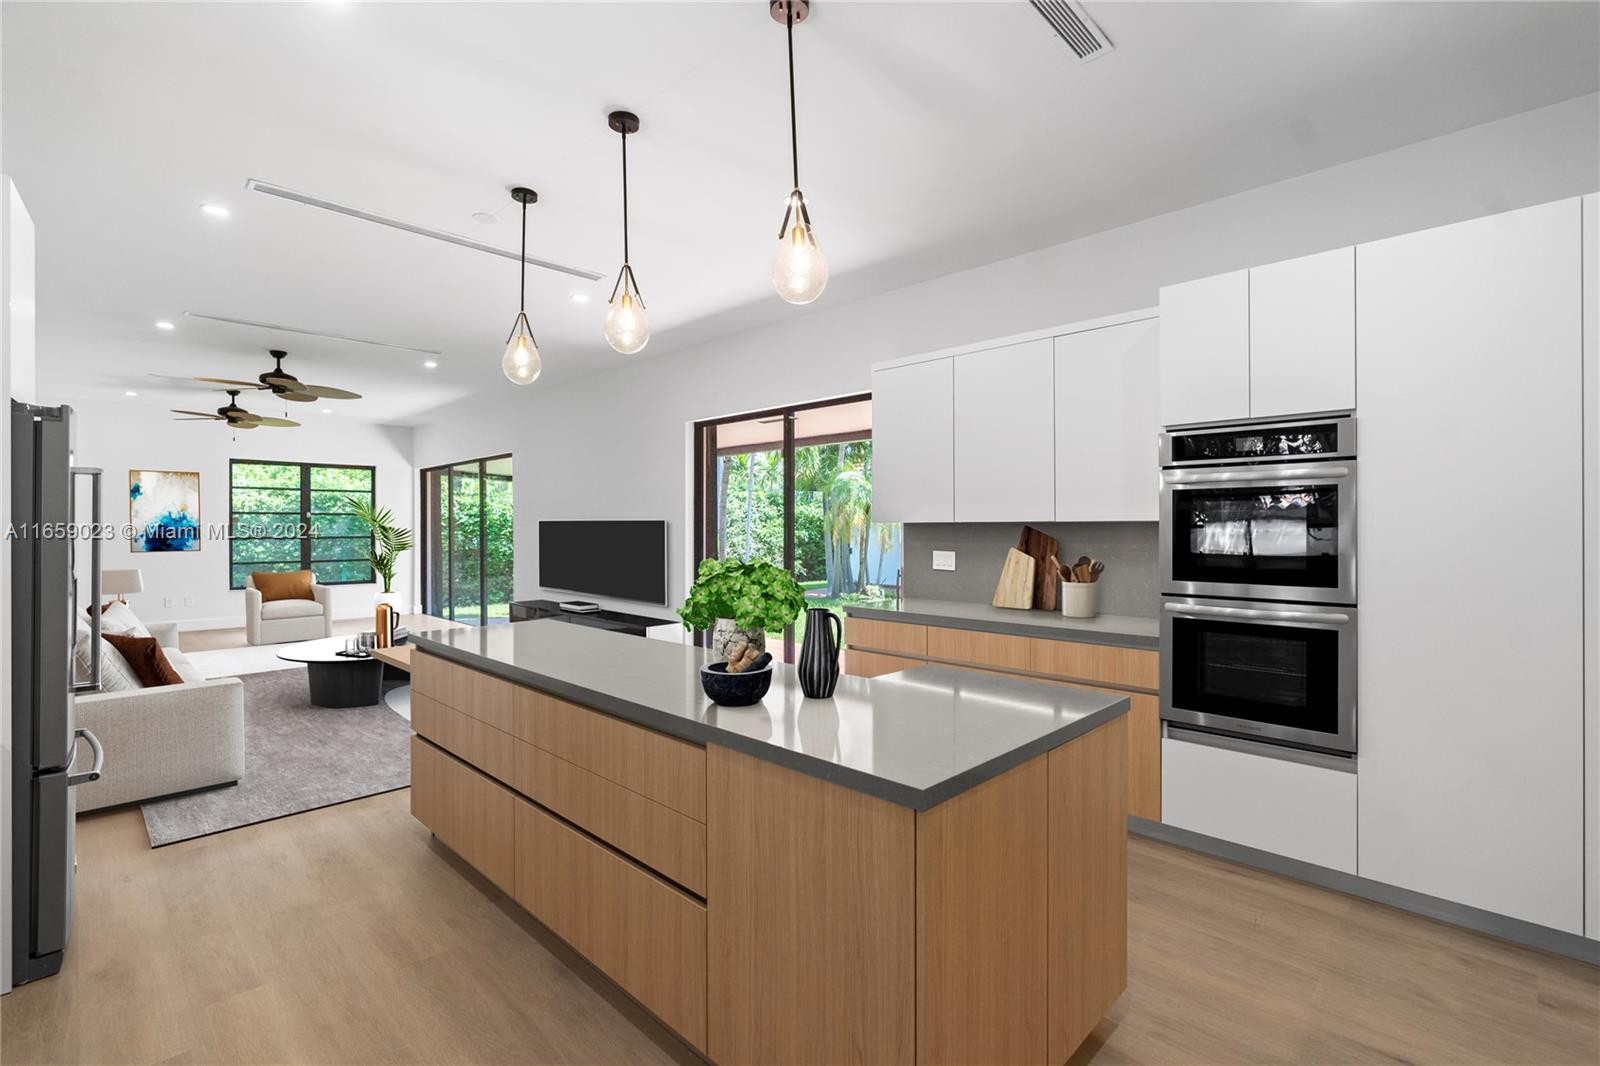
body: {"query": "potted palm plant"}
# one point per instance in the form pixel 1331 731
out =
pixel 741 602
pixel 383 551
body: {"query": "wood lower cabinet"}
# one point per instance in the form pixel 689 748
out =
pixel 879 647
pixel 466 810
pixel 800 920
pixel 644 934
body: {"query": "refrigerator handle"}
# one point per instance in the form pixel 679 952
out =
pixel 93 684
pixel 95 769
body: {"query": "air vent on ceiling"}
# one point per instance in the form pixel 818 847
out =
pixel 1086 40
pixel 324 334
pixel 266 187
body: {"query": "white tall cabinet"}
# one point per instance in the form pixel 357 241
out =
pixel 1005 434
pixel 1205 350
pixel 913 442
pixel 1469 347
pixel 1303 335
pixel 1108 423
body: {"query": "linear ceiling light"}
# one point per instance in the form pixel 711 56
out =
pixel 308 332
pixel 256 185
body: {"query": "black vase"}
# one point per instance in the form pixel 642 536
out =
pixel 819 653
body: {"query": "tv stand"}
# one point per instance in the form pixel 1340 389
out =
pixel 616 621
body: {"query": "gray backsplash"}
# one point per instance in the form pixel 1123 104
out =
pixel 1129 585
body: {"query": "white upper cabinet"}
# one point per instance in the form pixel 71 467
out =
pixel 1005 430
pixel 1471 686
pixel 1108 423
pixel 1205 350
pixel 913 443
pixel 1303 335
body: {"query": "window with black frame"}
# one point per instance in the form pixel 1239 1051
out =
pixel 297 516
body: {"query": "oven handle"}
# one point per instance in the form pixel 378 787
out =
pixel 1256 476
pixel 1255 614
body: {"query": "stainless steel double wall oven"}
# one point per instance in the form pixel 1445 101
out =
pixel 1258 578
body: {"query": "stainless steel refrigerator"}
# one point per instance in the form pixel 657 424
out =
pixel 44 679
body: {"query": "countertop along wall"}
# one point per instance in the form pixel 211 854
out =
pixel 118 437
pixel 616 445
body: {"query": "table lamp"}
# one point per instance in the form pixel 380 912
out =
pixel 119 583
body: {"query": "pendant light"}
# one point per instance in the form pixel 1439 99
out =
pixel 521 362
pixel 627 328
pixel 799 270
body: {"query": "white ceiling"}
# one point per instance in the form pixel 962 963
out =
pixel 934 137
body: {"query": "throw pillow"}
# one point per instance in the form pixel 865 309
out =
pixel 293 585
pixel 116 617
pixel 148 661
pixel 115 673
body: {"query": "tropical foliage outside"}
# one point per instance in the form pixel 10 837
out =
pixel 841 555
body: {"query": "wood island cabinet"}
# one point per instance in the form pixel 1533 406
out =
pixel 766 914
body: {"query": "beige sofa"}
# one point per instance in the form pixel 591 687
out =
pixel 161 741
pixel 283 621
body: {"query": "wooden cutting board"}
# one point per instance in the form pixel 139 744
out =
pixel 1016 581
pixel 1047 570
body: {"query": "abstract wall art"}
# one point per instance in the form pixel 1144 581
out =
pixel 164 510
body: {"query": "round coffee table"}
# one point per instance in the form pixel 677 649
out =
pixel 337 680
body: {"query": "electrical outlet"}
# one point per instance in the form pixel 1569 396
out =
pixel 944 560
pixel 188 601
pixel 167 601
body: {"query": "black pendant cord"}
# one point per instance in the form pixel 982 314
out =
pixel 794 136
pixel 624 197
pixel 522 261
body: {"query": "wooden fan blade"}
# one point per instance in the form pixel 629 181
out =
pixel 198 419
pixel 295 397
pixel 231 381
pixel 286 381
pixel 276 422
pixel 197 414
pixel 327 392
pixel 242 425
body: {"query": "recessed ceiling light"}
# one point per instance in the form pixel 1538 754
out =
pixel 130 392
pixel 163 324
pixel 430 364
pixel 484 218
pixel 580 297
pixel 327 410
pixel 215 210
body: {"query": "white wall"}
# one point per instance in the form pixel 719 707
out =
pixel 120 437
pixel 617 445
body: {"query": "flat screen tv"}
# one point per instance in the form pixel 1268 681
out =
pixel 627 560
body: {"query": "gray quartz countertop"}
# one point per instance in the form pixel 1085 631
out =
pixel 1123 631
pixel 915 738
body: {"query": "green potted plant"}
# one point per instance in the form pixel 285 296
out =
pixel 383 551
pixel 740 601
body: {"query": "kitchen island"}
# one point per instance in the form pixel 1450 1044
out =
pixel 929 867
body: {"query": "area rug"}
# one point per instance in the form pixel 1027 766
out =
pixel 297 758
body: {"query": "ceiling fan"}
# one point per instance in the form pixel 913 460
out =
pixel 234 415
pixel 285 386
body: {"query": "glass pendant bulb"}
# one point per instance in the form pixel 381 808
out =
pixel 627 329
pixel 521 363
pixel 799 270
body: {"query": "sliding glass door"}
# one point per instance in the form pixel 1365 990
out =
pixel 467 540
pixel 793 487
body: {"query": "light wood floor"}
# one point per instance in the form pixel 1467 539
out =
pixel 217 639
pixel 348 935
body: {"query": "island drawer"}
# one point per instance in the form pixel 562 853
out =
pixel 665 769
pixel 671 843
pixel 477 742
pixel 469 813
pixel 643 933
pixel 878 635
pixel 472 692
